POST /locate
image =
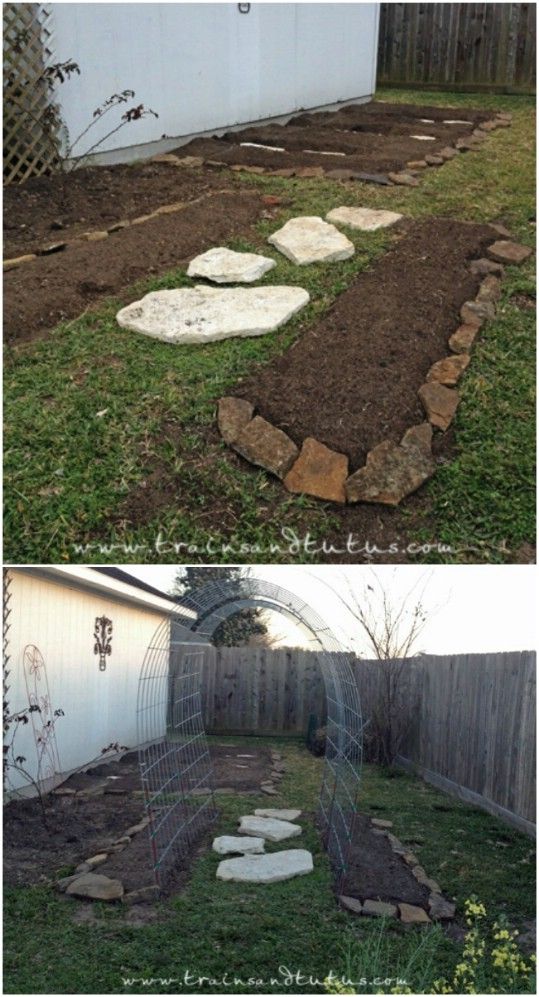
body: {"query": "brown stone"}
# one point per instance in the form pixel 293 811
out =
pixel 377 908
pixel 484 266
pixel 118 226
pixel 18 260
pixel 318 471
pixel 417 164
pixel 396 845
pixel 165 157
pixel 410 859
pixel 449 370
pixel 54 247
pixel 266 446
pixel 501 230
pixel 490 289
pixel 254 169
pixel 403 179
pixel 271 200
pixel 463 339
pixel 310 171
pixel 190 161
pixel 143 218
pixel 435 160
pixel 467 144
pixel 62 884
pixel 95 236
pixel 440 909
pixel 378 822
pixel 419 873
pixel 269 789
pixel 392 471
pixel 96 860
pixel 440 403
pixel 413 915
pixel 448 152
pixel 505 251
pixel 64 791
pixel 96 887
pixel 488 126
pixel 233 415
pixel 340 174
pixel 477 312
pixel 169 209
pixel 216 164
pixel 351 904
pixel 137 828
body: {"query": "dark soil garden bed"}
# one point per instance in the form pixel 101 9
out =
pixel 47 209
pixel 101 810
pixel 51 289
pixel 375 872
pixel 352 379
pixel 375 137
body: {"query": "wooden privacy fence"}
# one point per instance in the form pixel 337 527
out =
pixel 469 718
pixel 452 46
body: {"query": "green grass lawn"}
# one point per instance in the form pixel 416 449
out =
pixel 93 411
pixel 231 931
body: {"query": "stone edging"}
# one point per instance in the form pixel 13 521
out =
pixel 440 909
pixel 392 471
pixel 98 236
pixel 104 888
pixel 408 178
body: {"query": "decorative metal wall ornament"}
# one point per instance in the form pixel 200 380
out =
pixel 42 714
pixel 174 758
pixel 103 639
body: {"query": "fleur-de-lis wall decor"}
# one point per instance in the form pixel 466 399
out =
pixel 103 640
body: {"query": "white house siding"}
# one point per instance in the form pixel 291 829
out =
pixel 206 66
pixel 99 706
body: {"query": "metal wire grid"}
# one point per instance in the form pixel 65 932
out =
pixel 174 758
pixel 342 769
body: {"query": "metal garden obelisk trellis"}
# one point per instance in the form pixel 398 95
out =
pixel 174 757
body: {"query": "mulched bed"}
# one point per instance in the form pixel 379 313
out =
pixel 40 294
pixel 77 825
pixel 375 138
pixel 376 873
pixel 352 378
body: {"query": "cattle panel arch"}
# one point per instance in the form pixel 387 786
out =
pixel 175 762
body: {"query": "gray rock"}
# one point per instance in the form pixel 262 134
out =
pixel 392 471
pixel 271 868
pixel 378 822
pixel 268 827
pixel 232 416
pixel 96 887
pixel 131 831
pixel 289 815
pixel 224 266
pixel 351 904
pixel 311 240
pixel 364 219
pixel 410 914
pixel 377 908
pixel 204 314
pixel 237 844
pixel 146 894
pixel 440 908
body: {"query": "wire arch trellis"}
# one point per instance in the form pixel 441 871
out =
pixel 174 757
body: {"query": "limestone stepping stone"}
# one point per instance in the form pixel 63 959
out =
pixel 289 815
pixel 237 844
pixel 271 868
pixel 268 827
pixel 204 314
pixel 365 219
pixel 310 239
pixel 224 266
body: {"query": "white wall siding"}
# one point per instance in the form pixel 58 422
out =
pixel 205 66
pixel 99 706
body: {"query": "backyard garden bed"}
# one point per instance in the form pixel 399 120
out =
pixel 92 809
pixel 353 377
pixel 374 139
